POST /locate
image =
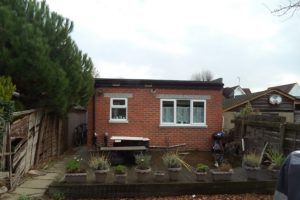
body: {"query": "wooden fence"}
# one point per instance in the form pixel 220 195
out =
pixel 256 130
pixel 34 137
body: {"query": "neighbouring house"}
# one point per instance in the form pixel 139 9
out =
pixel 268 102
pixel 232 92
pixel 168 112
pixel 292 89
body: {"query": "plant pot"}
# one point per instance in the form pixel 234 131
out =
pixel 174 173
pixel 159 176
pixel 120 178
pixel 275 173
pixel 143 175
pixel 252 172
pixel 75 177
pixel 101 175
pixel 201 176
pixel 221 175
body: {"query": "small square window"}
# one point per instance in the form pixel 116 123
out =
pixel 118 110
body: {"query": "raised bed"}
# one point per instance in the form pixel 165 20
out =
pixel 94 190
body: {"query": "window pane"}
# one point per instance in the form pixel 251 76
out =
pixel 168 111
pixel 198 112
pixel 118 113
pixel 183 112
pixel 119 102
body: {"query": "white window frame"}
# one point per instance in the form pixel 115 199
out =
pixel 118 106
pixel 192 124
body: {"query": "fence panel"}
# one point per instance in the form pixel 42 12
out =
pixel 257 130
pixel 34 137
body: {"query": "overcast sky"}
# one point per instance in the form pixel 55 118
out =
pixel 172 39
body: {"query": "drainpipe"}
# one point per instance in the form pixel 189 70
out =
pixel 94 114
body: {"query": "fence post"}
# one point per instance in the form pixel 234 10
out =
pixel 282 135
pixel 243 128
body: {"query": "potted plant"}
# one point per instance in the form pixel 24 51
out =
pixel 222 173
pixel 143 168
pixel 101 165
pixel 120 172
pixel 276 158
pixel 201 171
pixel 173 162
pixel 74 171
pixel 251 163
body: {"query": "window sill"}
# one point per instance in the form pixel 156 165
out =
pixel 182 126
pixel 114 121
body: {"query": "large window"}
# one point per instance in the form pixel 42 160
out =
pixel 118 109
pixel 183 112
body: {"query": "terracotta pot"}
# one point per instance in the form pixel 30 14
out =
pixel 174 173
pixel 252 172
pixel 143 175
pixel 201 176
pixel 221 175
pixel 75 177
pixel 101 175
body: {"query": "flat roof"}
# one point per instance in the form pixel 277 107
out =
pixel 155 83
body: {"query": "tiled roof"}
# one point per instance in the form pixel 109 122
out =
pixel 285 88
pixel 228 91
pixel 247 90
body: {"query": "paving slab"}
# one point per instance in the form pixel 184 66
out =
pixel 9 196
pixel 29 191
pixel 36 184
pixel 48 176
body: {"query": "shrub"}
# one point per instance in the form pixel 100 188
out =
pixel 142 161
pixel 224 167
pixel 58 196
pixel 24 197
pixel 276 158
pixel 120 169
pixel 99 162
pixel 73 166
pixel 201 167
pixel 251 160
pixel 171 160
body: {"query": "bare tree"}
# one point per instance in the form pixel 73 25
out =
pixel 291 6
pixel 205 75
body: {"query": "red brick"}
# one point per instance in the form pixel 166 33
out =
pixel 144 118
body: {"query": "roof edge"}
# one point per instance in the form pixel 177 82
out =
pixel 156 83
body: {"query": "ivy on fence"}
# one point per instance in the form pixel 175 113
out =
pixel 6 111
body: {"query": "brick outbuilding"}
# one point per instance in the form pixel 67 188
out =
pixel 168 112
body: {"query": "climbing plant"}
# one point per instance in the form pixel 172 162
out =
pixel 6 105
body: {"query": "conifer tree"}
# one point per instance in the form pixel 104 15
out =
pixel 45 64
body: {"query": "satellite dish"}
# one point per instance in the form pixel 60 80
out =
pixel 275 99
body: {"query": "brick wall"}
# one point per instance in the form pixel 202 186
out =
pixel 144 118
